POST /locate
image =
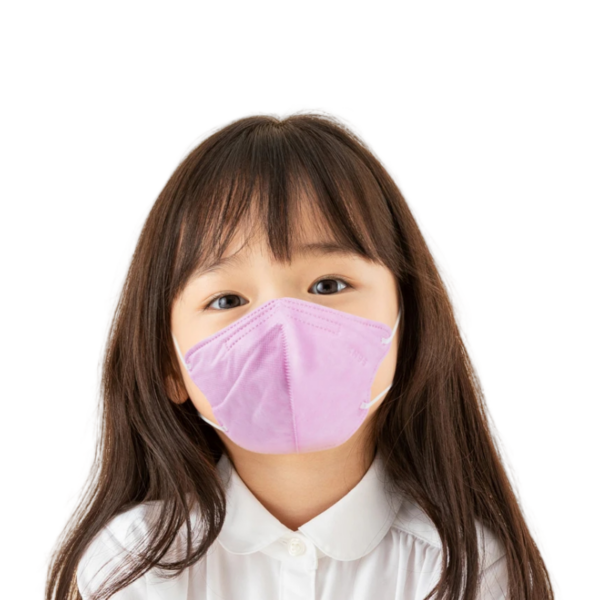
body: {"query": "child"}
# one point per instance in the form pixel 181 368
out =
pixel 323 438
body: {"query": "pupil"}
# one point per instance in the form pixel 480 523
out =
pixel 223 302
pixel 324 281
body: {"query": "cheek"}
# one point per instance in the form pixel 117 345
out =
pixel 383 378
pixel 387 368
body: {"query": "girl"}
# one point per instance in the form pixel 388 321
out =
pixel 289 410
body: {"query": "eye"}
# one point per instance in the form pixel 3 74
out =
pixel 328 288
pixel 222 303
pixel 231 300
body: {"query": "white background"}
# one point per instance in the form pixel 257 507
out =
pixel 486 114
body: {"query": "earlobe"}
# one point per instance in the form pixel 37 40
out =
pixel 174 391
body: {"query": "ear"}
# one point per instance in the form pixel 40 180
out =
pixel 176 391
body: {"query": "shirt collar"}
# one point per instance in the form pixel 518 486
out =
pixel 348 530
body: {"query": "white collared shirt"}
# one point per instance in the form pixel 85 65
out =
pixel 368 545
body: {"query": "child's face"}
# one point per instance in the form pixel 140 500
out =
pixel 345 282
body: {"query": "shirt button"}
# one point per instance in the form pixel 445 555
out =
pixel 296 547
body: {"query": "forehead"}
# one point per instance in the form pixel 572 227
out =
pixel 284 232
pixel 301 249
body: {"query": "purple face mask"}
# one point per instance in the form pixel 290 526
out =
pixel 291 376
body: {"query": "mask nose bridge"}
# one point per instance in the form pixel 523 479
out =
pixel 383 340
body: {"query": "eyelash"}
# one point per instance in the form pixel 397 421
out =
pixel 346 283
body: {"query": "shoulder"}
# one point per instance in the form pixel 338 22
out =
pixel 126 534
pixel 412 521
pixel 109 548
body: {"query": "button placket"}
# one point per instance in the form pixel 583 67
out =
pixel 299 567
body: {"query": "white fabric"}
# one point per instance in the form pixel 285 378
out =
pixel 363 547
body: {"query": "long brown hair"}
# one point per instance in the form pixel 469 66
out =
pixel 431 430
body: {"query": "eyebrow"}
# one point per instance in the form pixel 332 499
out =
pixel 315 248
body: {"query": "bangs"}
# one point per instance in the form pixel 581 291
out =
pixel 261 178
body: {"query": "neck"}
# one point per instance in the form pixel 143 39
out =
pixel 295 488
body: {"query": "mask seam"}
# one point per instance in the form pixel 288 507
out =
pixel 240 338
pixel 203 343
pixel 314 325
pixel 292 316
pixel 356 318
pixel 353 352
pixel 265 314
pixel 289 387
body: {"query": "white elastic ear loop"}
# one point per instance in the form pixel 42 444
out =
pixel 189 366
pixel 179 352
pixel 388 340
pixel 383 341
pixel 224 430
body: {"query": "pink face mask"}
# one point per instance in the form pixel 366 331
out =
pixel 291 376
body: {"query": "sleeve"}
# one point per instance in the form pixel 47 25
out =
pixel 494 581
pixel 100 558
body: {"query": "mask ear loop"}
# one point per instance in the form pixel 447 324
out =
pixel 223 429
pixel 388 340
pixel 189 366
